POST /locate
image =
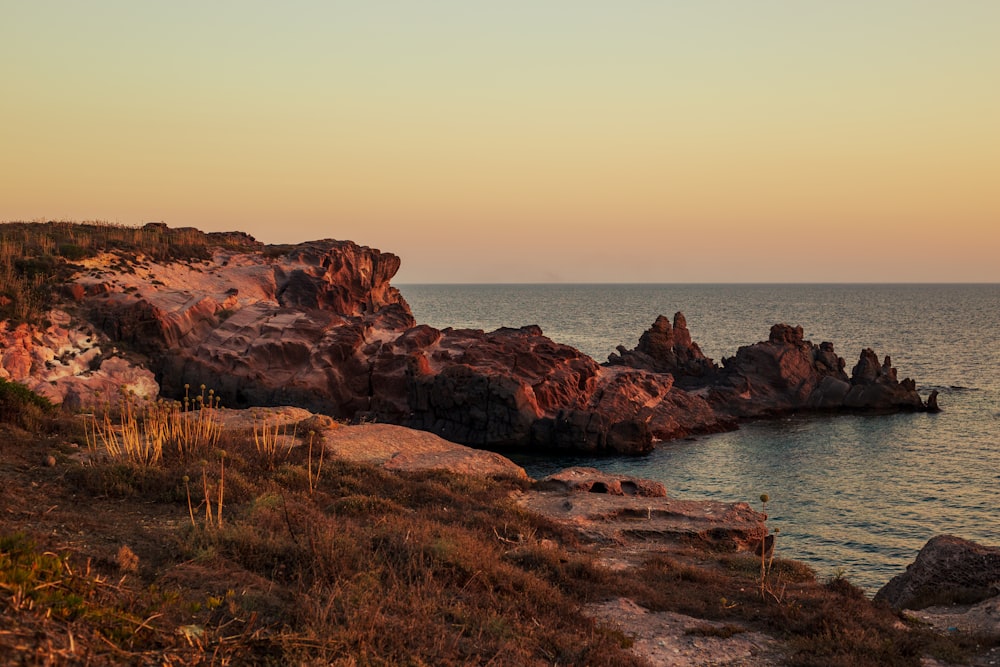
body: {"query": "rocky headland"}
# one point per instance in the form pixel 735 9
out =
pixel 318 325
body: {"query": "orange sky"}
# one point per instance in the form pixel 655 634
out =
pixel 788 141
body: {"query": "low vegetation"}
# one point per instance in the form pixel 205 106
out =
pixel 36 257
pixel 234 557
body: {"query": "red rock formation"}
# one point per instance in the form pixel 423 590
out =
pixel 591 480
pixel 68 365
pixel 666 349
pixel 788 373
pixel 319 326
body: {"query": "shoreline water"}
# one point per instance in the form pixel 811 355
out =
pixel 851 494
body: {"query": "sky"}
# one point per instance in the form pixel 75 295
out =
pixel 525 141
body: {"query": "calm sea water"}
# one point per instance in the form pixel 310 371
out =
pixel 852 495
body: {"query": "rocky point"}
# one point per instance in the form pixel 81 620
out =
pixel 318 325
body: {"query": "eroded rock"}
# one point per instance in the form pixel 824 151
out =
pixel 629 519
pixel 947 570
pixel 319 325
pixel 592 480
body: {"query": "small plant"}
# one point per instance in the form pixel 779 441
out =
pixel 196 428
pixel 22 407
pixel 222 485
pixel 272 441
pixel 314 479
pixel 767 547
pixel 136 440
pixel 187 489
pixel 144 432
pixel 209 517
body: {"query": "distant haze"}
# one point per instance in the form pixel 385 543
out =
pixel 576 141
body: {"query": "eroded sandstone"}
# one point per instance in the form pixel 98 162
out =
pixel 319 325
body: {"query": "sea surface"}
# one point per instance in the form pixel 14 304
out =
pixel 852 495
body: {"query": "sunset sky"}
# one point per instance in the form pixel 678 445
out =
pixel 542 141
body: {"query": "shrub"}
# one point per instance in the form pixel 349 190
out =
pixel 21 407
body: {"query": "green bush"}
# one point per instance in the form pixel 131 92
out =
pixel 21 407
pixel 73 252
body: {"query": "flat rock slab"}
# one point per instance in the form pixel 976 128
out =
pixel 400 448
pixel 982 618
pixel 667 638
pixel 592 480
pixel 603 518
pixel 385 445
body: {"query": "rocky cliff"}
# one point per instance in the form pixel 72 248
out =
pixel 318 325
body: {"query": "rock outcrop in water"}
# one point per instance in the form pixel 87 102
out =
pixel 668 349
pixel 318 325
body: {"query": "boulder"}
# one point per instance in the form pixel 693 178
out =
pixel 947 570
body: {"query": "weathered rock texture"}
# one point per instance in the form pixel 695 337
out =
pixel 70 364
pixel 947 570
pixel 667 349
pixel 318 325
pixel 787 373
pixel 630 518
pixel 592 480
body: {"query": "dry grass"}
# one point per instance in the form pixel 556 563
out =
pixel 35 257
pixel 273 441
pixel 140 433
pixel 365 567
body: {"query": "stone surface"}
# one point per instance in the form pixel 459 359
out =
pixel 981 618
pixel 400 448
pixel 318 325
pixel 628 519
pixel 948 569
pixel 592 480
pixel 70 364
pixel 669 639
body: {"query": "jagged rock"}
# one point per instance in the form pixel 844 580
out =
pixel 932 404
pixel 666 349
pixel 874 386
pixel 514 387
pixel 318 325
pixel 338 276
pixel 947 570
pixel 788 373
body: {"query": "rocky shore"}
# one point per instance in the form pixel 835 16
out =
pixel 318 325
pixel 296 336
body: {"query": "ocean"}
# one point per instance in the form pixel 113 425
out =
pixel 854 496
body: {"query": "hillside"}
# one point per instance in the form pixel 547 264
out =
pixel 138 530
